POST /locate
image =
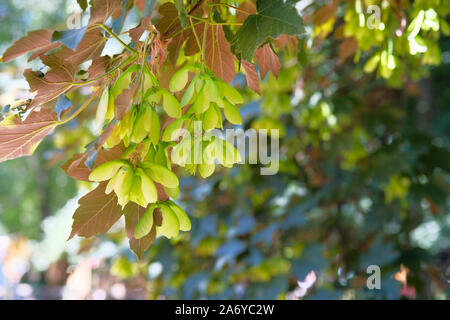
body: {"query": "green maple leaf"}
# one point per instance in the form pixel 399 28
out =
pixel 273 18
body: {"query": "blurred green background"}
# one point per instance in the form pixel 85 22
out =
pixel 364 179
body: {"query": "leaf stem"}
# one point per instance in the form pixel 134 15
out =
pixel 82 83
pixel 101 25
pixel 76 113
pixel 197 39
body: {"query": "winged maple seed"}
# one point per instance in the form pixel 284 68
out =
pixel 175 70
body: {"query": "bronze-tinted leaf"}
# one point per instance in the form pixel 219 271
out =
pixel 55 82
pixel 252 76
pixel 98 68
pixel 169 17
pixel 347 48
pixel 267 60
pixel 137 32
pixel 123 101
pixel 96 214
pixel 325 13
pixel 90 47
pixel 218 54
pixel 245 9
pixel 101 10
pixel 77 169
pixel 34 40
pixel 46 91
pixel 133 213
pixel 44 50
pixel 20 138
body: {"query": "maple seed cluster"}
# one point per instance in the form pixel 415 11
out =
pixel 134 184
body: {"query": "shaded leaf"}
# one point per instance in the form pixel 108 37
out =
pixel 182 14
pixel 133 213
pixel 347 48
pixel 83 4
pixel 325 13
pixel 96 214
pixel 271 20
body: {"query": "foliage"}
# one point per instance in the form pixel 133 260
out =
pixel 361 167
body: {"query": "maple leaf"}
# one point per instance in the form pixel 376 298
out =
pixel 76 166
pixel 271 20
pixel 252 76
pixel 96 214
pixel 101 10
pixel 124 100
pixel 55 82
pixel 347 48
pixel 133 213
pixel 267 60
pixel 38 40
pixel 97 69
pixel 218 54
pixel 90 47
pixel 325 13
pixel 20 138
pixel 136 33
pixel 169 17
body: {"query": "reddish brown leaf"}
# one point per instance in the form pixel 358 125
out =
pixel 252 76
pixel 267 60
pixel 101 10
pixel 61 71
pixel 169 17
pixel 245 9
pixel 90 47
pixel 98 68
pixel 34 40
pixel 174 47
pixel 76 168
pixel 218 54
pixel 55 82
pixel 96 214
pixel 46 91
pixel 133 213
pixel 325 13
pixel 123 101
pixel 347 48
pixel 137 32
pixel 20 138
pixel 44 50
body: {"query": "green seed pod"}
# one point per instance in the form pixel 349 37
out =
pixel 161 175
pixel 183 218
pixel 170 225
pixel 145 224
pixel 106 170
pixel 147 186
